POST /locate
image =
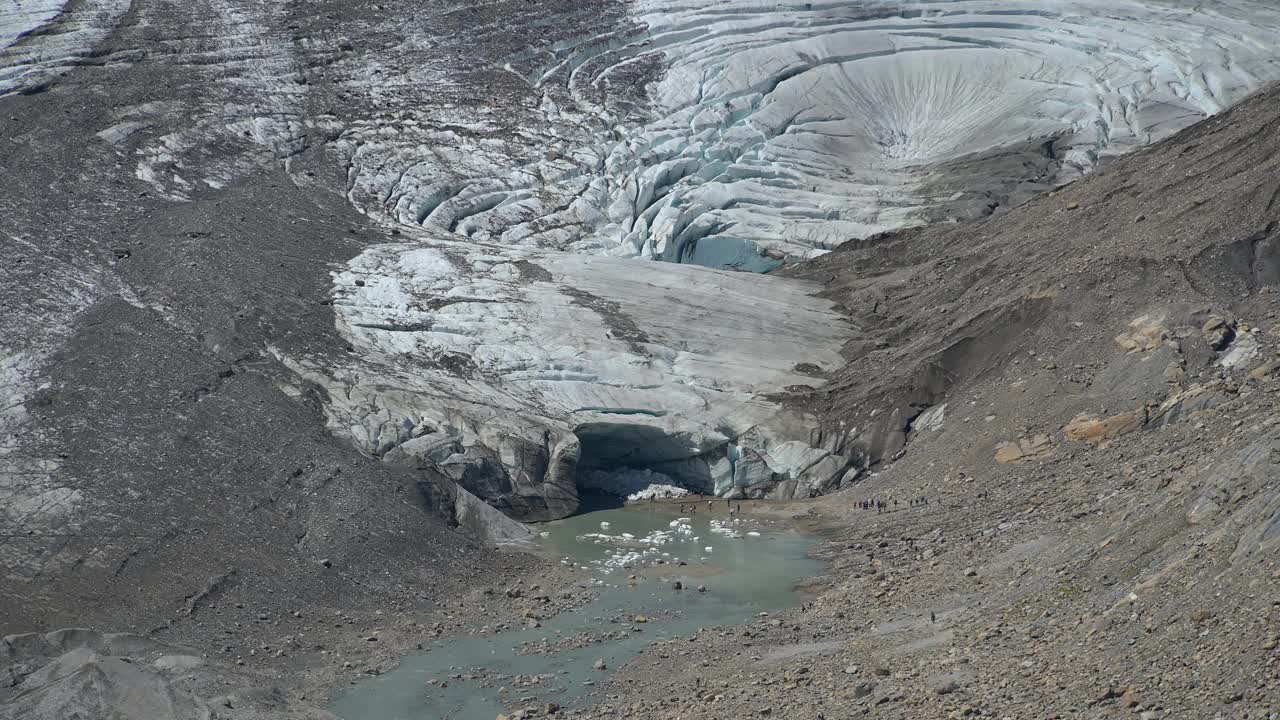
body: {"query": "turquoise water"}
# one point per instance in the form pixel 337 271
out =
pixel 743 576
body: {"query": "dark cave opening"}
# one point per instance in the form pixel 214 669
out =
pixel 630 452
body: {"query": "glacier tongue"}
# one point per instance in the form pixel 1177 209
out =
pixel 519 340
pixel 511 369
pixel 781 130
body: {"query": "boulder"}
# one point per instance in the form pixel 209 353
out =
pixel 1024 450
pixel 1216 332
pixel 1183 404
pixel 1145 333
pixel 1090 428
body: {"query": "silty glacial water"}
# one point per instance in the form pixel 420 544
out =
pixel 748 566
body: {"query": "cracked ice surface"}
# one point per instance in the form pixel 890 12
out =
pixel 27 56
pixel 548 362
pixel 776 130
pixel 519 342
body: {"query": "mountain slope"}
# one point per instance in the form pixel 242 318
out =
pixel 1070 414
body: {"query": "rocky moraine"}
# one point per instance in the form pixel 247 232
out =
pixel 320 322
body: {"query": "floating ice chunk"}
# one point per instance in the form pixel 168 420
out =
pixel 706 549
pixel 753 533
pixel 604 525
pixel 719 527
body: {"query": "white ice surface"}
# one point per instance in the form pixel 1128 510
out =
pixel 26 56
pixel 769 131
pixel 783 129
pixel 481 346
pixel 19 17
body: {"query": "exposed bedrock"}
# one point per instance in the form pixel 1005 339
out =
pixel 740 134
pixel 510 370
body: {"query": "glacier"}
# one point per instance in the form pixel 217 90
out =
pixel 570 209
pixel 514 370
pixel 521 333
pixel 744 134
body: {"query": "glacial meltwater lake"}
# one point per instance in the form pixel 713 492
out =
pixel 747 565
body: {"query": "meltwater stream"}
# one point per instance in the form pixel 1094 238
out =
pixel 747 566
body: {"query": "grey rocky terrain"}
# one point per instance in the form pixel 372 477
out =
pixel 1084 391
pixel 301 304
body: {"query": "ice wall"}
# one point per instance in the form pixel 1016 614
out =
pixel 511 370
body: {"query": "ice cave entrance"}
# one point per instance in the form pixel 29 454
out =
pixel 636 462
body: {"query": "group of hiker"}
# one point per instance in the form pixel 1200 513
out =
pixel 692 508
pixel 880 505
pixel 876 504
